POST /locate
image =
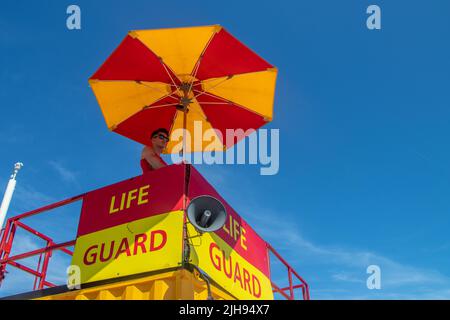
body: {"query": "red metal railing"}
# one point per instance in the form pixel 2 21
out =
pixel 44 253
pixel 303 285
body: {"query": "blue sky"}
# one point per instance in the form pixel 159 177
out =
pixel 363 118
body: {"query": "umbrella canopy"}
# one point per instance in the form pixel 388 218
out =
pixel 171 78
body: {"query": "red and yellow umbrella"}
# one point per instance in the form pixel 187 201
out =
pixel 171 78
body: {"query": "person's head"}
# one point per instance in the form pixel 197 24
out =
pixel 159 139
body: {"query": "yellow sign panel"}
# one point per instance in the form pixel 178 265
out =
pixel 143 245
pixel 228 268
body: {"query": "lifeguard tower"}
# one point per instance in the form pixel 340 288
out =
pixel 167 234
pixel 136 241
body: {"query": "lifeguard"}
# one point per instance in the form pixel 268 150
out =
pixel 151 154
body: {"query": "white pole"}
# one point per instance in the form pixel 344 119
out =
pixel 8 193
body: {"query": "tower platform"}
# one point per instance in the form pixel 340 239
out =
pixel 134 241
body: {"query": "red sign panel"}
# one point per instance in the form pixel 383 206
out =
pixel 236 232
pixel 153 193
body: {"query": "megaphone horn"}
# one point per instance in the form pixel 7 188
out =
pixel 206 213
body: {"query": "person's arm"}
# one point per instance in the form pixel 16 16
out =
pixel 152 159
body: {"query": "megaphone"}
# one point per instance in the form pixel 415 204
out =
pixel 206 213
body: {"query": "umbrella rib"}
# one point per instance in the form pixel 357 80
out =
pixel 143 84
pixel 208 80
pixel 172 125
pixel 231 76
pixel 170 76
pixel 155 89
pixel 160 99
pixel 211 95
pixel 221 103
pixel 197 64
pixel 159 106
pixel 225 101
pixel 214 86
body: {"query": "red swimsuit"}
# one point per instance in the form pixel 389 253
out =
pixel 146 167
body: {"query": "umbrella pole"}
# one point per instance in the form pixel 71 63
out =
pixel 184 103
pixel 184 134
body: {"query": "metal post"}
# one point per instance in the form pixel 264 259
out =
pixel 9 193
pixel 48 254
pixel 291 289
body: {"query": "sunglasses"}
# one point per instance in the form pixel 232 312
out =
pixel 162 137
